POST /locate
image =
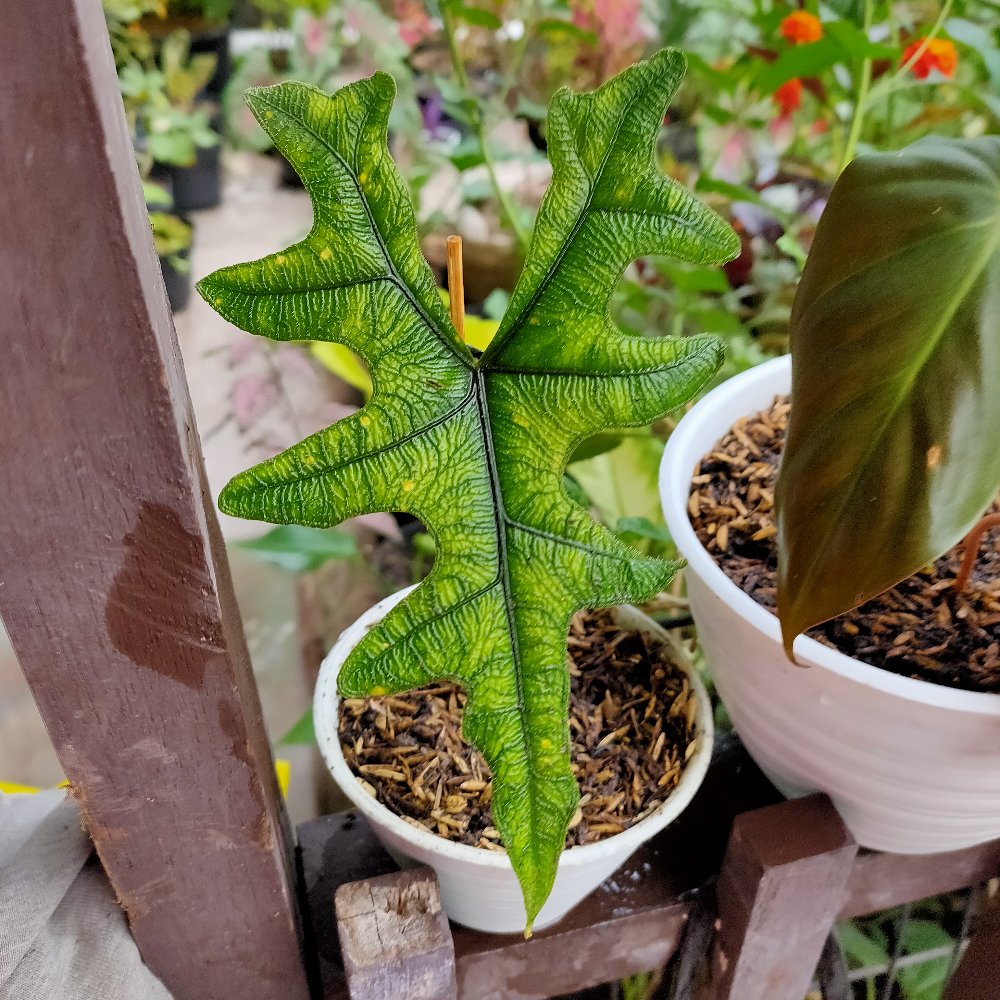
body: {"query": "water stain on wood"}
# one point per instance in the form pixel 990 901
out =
pixel 159 611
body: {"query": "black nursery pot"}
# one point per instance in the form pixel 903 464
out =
pixel 200 185
pixel 177 283
pixel 215 41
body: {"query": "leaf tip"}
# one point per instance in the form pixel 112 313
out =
pixel 229 498
pixel 205 287
pixel 788 637
pixel 670 57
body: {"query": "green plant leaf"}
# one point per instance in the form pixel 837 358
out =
pixel 300 733
pixel 925 980
pixel 343 363
pixel 476 448
pixel 891 454
pixel 300 549
pixel 861 951
pixel 475 15
pixel 642 527
pixel 596 445
pixel 798 61
pixel 624 481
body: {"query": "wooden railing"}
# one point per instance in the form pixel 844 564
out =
pixel 773 877
pixel 115 589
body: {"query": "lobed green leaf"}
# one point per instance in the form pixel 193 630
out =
pixel 476 449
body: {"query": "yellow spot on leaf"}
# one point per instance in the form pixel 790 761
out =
pixel 280 259
pixel 378 690
pixel 326 253
pixel 218 302
pixel 407 485
pixel 545 744
pixel 363 177
pixel 364 421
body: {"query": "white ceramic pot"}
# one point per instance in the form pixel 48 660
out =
pixel 912 767
pixel 478 887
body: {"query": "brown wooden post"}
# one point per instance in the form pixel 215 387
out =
pixel 113 580
pixel 780 888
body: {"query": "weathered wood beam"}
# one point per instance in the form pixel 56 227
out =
pixel 394 938
pixel 781 885
pixel 114 584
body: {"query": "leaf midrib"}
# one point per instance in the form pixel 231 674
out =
pixel 501 523
pixel 517 324
pixel 390 264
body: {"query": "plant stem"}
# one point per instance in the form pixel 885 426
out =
pixel 971 549
pixel 476 120
pixel 890 104
pixel 512 76
pixel 456 285
pixel 858 116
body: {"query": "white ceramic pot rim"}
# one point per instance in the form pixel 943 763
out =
pixel 675 484
pixel 631 838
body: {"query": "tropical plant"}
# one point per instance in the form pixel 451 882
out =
pixel 328 49
pixel 171 237
pixel 185 76
pixel 130 43
pixel 168 122
pixel 891 456
pixel 210 10
pixel 447 431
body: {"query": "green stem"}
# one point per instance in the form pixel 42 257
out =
pixel 858 115
pixel 476 120
pixel 520 50
pixel 890 106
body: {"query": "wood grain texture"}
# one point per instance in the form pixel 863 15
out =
pixel 636 920
pixel 633 922
pixel 780 887
pixel 880 881
pixel 113 580
pixel 394 938
pixel 978 974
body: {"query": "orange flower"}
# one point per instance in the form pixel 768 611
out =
pixel 788 96
pixel 940 54
pixel 801 28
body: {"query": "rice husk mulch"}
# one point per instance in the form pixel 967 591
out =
pixel 632 727
pixel 921 628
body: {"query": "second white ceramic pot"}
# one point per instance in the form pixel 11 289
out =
pixel 478 887
pixel 912 767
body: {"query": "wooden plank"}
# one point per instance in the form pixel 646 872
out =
pixel 113 579
pixel 978 974
pixel 881 881
pixel 780 888
pixel 634 921
pixel 395 942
